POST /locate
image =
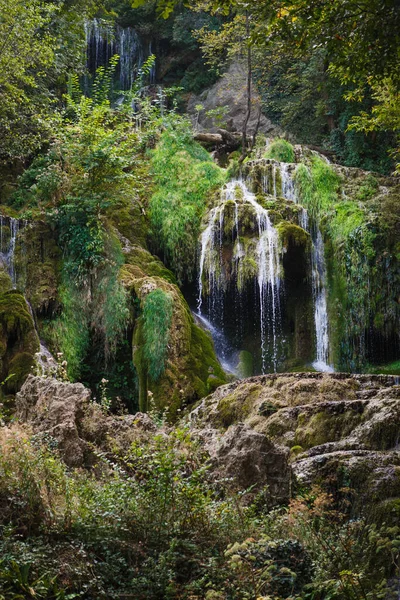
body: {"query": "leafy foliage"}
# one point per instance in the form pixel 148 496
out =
pixel 154 524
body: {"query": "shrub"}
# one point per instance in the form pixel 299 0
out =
pixel 281 150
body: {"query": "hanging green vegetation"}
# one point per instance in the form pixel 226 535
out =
pixel 317 185
pixel 281 150
pixel 157 318
pixel 185 177
pixel 359 257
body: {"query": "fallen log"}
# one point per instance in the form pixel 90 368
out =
pixel 209 138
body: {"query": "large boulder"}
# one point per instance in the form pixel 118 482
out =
pixel 63 413
pixel 253 462
pixel 341 430
pixel 225 104
pixel 55 408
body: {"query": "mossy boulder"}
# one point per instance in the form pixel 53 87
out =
pixel 292 234
pixel 18 341
pixel 38 265
pixel 191 368
pixel 5 281
pixel 341 430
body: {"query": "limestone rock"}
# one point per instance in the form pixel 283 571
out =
pixel 253 461
pixel 55 408
pixel 229 96
pixel 63 411
pixel 341 430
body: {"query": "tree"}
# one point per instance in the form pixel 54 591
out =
pixel 26 52
pixel 40 43
pixel 361 40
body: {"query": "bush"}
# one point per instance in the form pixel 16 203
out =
pixel 281 150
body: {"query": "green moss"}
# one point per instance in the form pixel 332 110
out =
pixel 368 188
pixel 191 367
pixel 38 263
pixel 281 150
pixel 237 406
pixel 289 233
pixel 358 231
pixel 185 176
pixel 157 318
pixel 325 426
pixel 5 281
pixel 392 368
pixel 203 362
pixel 18 340
pixel 245 366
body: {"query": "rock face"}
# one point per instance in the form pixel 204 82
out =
pixel 63 412
pixel 56 409
pixel 341 430
pixel 227 101
pixel 251 460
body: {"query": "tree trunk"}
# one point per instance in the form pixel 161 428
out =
pixel 249 77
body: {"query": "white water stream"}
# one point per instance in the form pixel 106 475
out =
pixel 318 266
pixel 268 263
pixel 7 246
pixel 278 181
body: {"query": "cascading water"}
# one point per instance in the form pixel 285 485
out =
pixel 318 267
pixel 226 355
pixel 103 40
pixel 320 304
pixel 214 272
pixel 7 245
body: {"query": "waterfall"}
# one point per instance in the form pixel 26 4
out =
pixel 7 246
pixel 103 40
pixel 227 357
pixel 214 271
pixel 289 192
pixel 288 187
pixel 320 305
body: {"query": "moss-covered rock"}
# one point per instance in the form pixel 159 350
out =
pixel 5 281
pixel 341 430
pixel 191 369
pixel 18 340
pixel 38 265
pixel 292 234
